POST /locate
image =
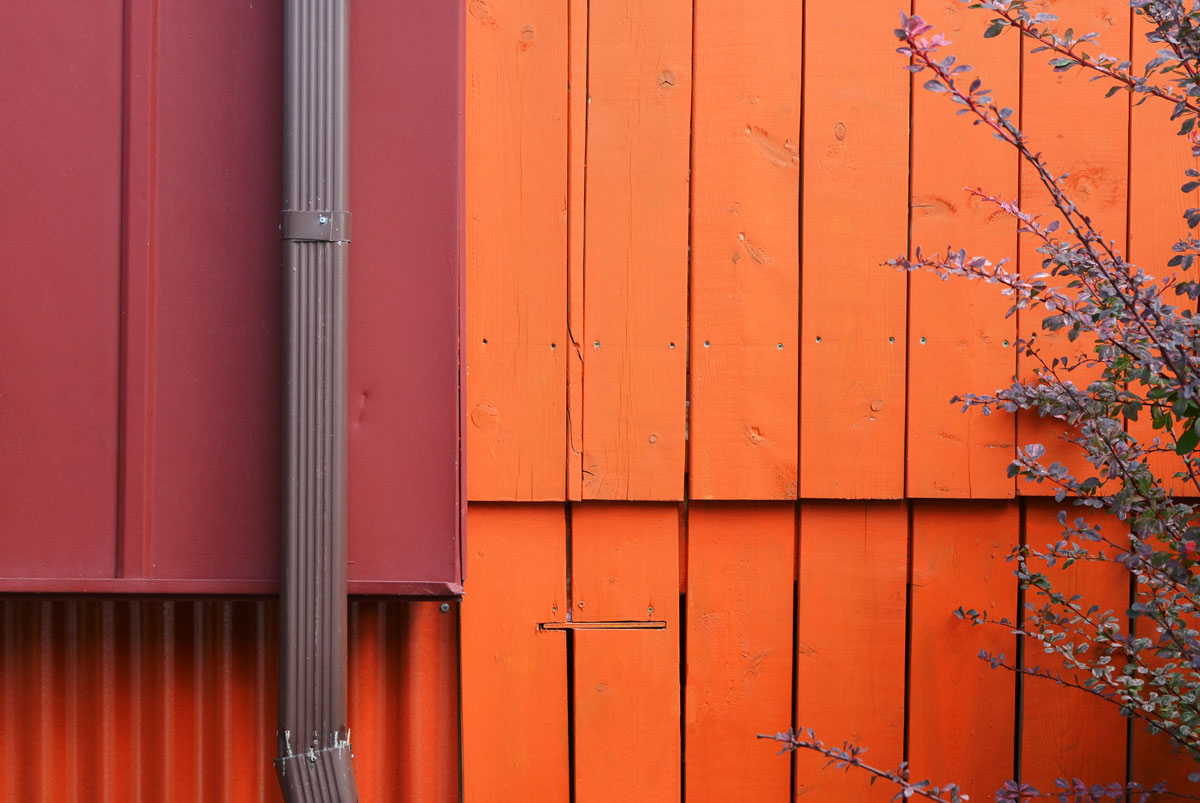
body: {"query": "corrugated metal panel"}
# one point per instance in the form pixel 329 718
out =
pixel 127 699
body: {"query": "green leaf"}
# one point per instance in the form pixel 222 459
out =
pixel 1187 441
pixel 995 29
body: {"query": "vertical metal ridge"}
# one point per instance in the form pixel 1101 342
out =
pixel 314 752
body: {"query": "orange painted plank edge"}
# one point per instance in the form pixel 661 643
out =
pixel 577 55
pixel 959 338
pixel 745 250
pixel 514 677
pixel 964 736
pixel 627 712
pixel 739 649
pixel 516 198
pixel 850 649
pixel 854 217
pixel 635 274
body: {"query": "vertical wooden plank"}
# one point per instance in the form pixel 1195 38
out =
pixel 1157 158
pixel 635 291
pixel 850 648
pixel 745 278
pixel 1066 732
pixel 959 552
pixel 1078 132
pixel 577 106
pixel 852 318
pixel 516 198
pixel 60 219
pixel 625 567
pixel 739 657
pixel 959 338
pixel 1156 757
pixel 514 677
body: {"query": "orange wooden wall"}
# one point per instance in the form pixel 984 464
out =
pixel 695 397
pixel 697 402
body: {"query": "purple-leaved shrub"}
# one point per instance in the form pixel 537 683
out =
pixel 1143 361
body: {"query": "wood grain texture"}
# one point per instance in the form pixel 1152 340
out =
pixel 959 552
pixel 635 285
pixel 959 338
pixel 577 106
pixel 850 648
pixel 745 250
pixel 739 649
pixel 1079 132
pixel 1158 157
pixel 1156 758
pixel 1065 732
pixel 514 677
pixel 516 196
pixel 855 160
pixel 627 712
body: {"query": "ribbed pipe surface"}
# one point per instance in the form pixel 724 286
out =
pixel 312 691
pixel 313 736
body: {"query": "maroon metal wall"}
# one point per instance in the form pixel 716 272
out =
pixel 140 368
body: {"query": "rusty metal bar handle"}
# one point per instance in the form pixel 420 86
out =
pixel 314 758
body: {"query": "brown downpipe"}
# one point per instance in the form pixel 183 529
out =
pixel 314 762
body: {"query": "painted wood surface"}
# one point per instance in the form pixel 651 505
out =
pixel 1065 734
pixel 636 249
pixel 1156 758
pixel 577 108
pixel 1079 132
pixel 850 635
pixel 739 649
pixel 959 339
pixel 514 688
pixel 960 720
pixel 624 563
pixel 745 250
pixel 853 312
pixel 516 161
pixel 1158 157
